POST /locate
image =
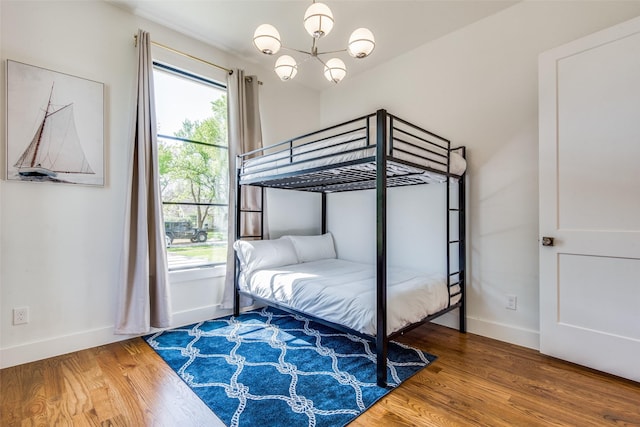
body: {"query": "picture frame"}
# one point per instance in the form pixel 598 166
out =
pixel 55 127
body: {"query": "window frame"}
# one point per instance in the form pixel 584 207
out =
pixel 213 269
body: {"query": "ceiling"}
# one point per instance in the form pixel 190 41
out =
pixel 398 25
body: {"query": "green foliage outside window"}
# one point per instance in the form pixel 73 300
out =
pixel 197 171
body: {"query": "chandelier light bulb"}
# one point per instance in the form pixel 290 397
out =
pixel 335 70
pixel 267 39
pixel 286 68
pixel 361 43
pixel 318 20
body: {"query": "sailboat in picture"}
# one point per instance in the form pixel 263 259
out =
pixel 55 147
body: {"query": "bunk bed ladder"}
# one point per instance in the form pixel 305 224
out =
pixel 456 208
pixel 240 213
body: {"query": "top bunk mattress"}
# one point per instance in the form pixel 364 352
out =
pixel 344 292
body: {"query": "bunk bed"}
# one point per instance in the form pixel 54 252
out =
pixel 375 151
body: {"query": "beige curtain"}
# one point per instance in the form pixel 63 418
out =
pixel 143 292
pixel 245 134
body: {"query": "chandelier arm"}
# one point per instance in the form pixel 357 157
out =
pixel 331 51
pixel 296 50
pixel 320 60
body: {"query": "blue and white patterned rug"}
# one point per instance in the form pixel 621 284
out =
pixel 269 368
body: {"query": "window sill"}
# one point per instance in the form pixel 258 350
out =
pixel 197 274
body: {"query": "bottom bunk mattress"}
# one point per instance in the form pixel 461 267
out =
pixel 344 292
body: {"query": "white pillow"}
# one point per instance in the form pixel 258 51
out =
pixel 260 254
pixel 313 248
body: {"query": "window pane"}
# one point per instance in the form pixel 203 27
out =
pixel 191 245
pixel 192 173
pixel 180 98
pixel 193 166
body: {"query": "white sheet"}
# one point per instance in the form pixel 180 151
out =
pixel 344 292
pixel 278 163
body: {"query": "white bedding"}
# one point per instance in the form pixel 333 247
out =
pixel 336 149
pixel 344 292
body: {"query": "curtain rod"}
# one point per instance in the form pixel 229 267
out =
pixel 135 37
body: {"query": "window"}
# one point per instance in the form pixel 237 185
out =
pixel 193 165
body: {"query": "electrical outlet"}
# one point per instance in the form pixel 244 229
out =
pixel 512 302
pixel 20 315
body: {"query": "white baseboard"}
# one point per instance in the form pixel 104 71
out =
pixel 498 331
pixel 56 346
pixel 50 347
pixel 507 333
pixel 196 315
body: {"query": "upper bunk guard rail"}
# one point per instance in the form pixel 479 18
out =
pixel 291 142
pixel 346 149
pixel 272 159
pixel 421 140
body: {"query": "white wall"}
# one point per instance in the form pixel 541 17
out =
pixel 478 87
pixel 60 244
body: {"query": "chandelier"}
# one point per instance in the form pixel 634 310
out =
pixel 318 21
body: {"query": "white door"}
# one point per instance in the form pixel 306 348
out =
pixel 589 97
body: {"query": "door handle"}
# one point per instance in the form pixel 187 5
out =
pixel 547 241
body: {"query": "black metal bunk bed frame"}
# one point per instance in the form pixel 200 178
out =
pixel 353 177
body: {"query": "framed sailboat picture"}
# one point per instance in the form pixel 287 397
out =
pixel 55 126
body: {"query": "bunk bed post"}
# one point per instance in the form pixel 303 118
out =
pixel 462 247
pixel 238 225
pixel 263 194
pixel 448 226
pixel 381 247
pixel 324 212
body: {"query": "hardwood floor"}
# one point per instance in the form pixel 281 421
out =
pixel 475 381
